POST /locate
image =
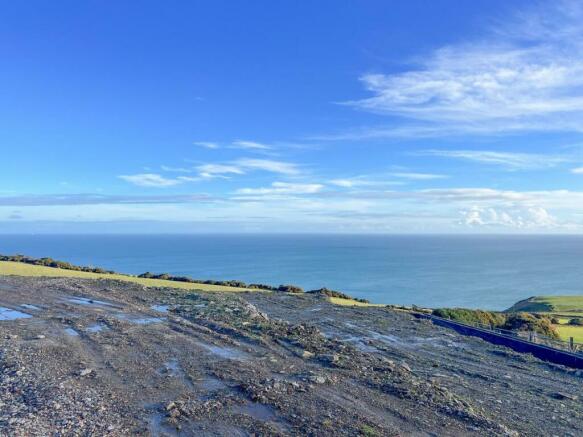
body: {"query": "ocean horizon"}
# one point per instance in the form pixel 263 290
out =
pixel 474 271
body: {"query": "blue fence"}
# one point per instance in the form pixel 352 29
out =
pixel 511 339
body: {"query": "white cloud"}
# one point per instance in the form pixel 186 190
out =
pixel 150 180
pixel 282 188
pixel 521 218
pixel 250 145
pixel 514 79
pixel 206 144
pixel 286 168
pixel 510 160
pixel 210 170
pixel 578 170
pixel 419 176
pixel 176 169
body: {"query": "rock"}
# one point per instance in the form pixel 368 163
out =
pixel 562 395
pixel 40 337
pixel 307 354
pixel 170 406
pixel 405 366
pixel 317 379
pixel 85 372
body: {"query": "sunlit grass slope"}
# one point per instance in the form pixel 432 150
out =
pixel 22 269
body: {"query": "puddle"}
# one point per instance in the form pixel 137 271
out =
pixel 160 308
pixel 30 307
pixel 98 327
pixel 359 343
pixel 159 428
pixel 172 368
pixel 139 320
pixel 10 314
pixel 210 384
pixel 224 352
pixel 146 320
pixel 86 301
pixel 261 412
pixel 71 332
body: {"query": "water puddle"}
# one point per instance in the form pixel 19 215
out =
pixel 262 412
pixel 224 351
pixel 30 307
pixel 71 332
pixel 98 327
pixel 86 301
pixel 10 314
pixel 160 308
pixel 172 368
pixel 211 384
pixel 139 320
pixel 159 428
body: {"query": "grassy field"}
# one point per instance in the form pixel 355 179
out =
pixel 566 331
pixel 353 303
pixel 22 269
pixel 562 307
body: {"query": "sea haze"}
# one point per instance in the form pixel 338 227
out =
pixel 490 272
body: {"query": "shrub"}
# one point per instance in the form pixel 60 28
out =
pixel 333 293
pixel 290 289
pixel 471 317
pixel 529 322
pixel 576 322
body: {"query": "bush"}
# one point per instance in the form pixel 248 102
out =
pixel 290 289
pixel 576 322
pixel 471 317
pixel 333 293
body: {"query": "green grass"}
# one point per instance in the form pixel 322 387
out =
pixel 552 304
pixel 22 269
pixel 562 307
pixel 566 331
pixel 352 302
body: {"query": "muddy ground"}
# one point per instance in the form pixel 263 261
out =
pixel 80 357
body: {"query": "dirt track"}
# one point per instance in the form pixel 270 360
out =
pixel 110 358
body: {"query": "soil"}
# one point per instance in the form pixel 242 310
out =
pixel 102 357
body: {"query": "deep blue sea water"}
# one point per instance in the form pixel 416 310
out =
pixel 490 272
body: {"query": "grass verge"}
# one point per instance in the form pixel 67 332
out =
pixel 21 269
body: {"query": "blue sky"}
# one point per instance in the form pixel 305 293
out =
pixel 278 116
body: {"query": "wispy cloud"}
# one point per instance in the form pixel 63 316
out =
pixel 419 176
pixel 515 79
pixel 206 144
pixel 176 169
pixel 509 160
pixel 219 169
pixel 578 170
pixel 98 199
pixel 269 165
pixel 250 145
pixel 282 188
pixel 150 180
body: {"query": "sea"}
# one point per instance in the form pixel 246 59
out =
pixel 478 271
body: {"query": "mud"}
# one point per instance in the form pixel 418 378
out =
pixel 167 362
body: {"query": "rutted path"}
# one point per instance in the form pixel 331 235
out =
pixel 83 357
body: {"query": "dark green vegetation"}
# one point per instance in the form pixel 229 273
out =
pixel 49 262
pixel 285 288
pixel 521 321
pixel 332 293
